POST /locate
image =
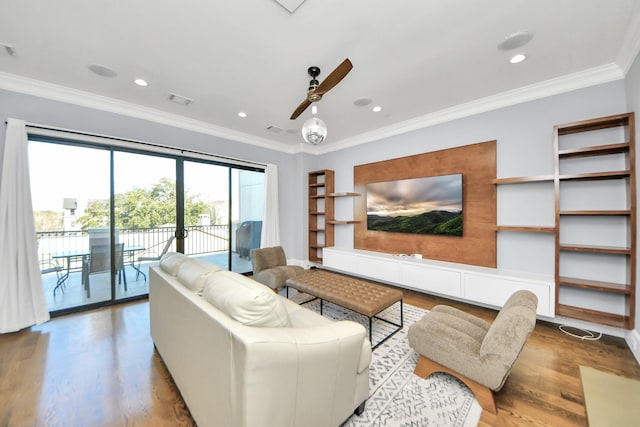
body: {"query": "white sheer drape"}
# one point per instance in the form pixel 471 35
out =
pixel 271 224
pixel 22 300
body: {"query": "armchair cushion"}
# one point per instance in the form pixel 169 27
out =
pixel 270 267
pixel 245 301
pixel 266 258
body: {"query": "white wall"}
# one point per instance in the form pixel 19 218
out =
pixel 633 104
pixel 57 114
pixel 524 135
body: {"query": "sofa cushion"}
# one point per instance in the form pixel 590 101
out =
pixel 193 274
pixel 171 262
pixel 245 300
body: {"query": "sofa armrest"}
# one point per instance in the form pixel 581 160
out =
pixel 292 375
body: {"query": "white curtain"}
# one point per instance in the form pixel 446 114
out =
pixel 22 299
pixel 271 224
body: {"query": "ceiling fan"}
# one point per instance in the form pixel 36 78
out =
pixel 317 90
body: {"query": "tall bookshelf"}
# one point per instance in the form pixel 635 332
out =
pixel 322 220
pixel 595 191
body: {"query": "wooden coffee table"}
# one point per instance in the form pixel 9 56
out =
pixel 361 296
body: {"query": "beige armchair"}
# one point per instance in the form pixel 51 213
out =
pixel 270 267
pixel 478 353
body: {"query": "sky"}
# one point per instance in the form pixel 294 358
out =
pixel 415 196
pixel 60 171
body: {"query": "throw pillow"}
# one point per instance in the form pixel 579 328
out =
pixel 245 300
pixel 193 274
pixel 171 262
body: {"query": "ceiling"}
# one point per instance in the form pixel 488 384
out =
pixel 423 61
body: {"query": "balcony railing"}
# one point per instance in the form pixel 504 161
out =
pixel 203 239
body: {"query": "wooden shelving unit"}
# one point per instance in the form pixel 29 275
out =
pixel 627 251
pixel 624 177
pixel 321 207
pixel 322 219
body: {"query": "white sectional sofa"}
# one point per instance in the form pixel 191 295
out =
pixel 241 355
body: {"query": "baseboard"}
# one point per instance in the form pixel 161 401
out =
pixel 633 341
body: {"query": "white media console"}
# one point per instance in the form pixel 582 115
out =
pixel 482 285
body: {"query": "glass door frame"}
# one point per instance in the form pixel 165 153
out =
pixel 180 221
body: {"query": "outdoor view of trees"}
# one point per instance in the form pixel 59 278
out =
pixel 146 208
pixel 136 209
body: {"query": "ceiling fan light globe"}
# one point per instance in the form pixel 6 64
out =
pixel 314 131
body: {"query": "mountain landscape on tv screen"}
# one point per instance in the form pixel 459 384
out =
pixel 443 223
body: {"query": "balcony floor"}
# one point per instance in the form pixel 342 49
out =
pixel 72 293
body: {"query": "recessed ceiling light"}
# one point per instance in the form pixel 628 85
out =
pixel 242 114
pixel 102 70
pixel 516 59
pixel 376 109
pixel 141 82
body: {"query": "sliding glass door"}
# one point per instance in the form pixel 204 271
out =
pixel 105 215
pixel 71 190
pixel 145 217
pixel 223 210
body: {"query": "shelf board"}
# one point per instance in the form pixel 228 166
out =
pixel 317 196
pixel 595 176
pixel 594 124
pixel 523 179
pixel 316 246
pixel 339 221
pixel 526 229
pixel 597 249
pixel 317 230
pixel 315 213
pixel 343 194
pixel 317 184
pixel 610 319
pixel 595 285
pixel 597 150
pixel 597 213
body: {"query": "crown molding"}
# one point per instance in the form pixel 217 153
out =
pixel 631 45
pixel 567 83
pixel 14 83
pixel 590 77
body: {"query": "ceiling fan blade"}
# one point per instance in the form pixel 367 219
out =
pixel 334 78
pixel 305 104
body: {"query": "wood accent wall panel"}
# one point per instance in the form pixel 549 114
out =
pixel 477 164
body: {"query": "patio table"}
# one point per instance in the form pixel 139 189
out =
pixel 84 253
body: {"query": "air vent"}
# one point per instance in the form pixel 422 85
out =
pixel 179 99
pixel 274 129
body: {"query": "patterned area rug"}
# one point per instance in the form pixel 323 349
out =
pixel 397 397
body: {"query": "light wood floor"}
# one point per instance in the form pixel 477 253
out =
pixel 99 368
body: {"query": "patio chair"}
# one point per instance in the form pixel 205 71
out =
pixel 99 261
pixel 52 266
pixel 157 257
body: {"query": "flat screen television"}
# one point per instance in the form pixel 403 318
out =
pixel 430 205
